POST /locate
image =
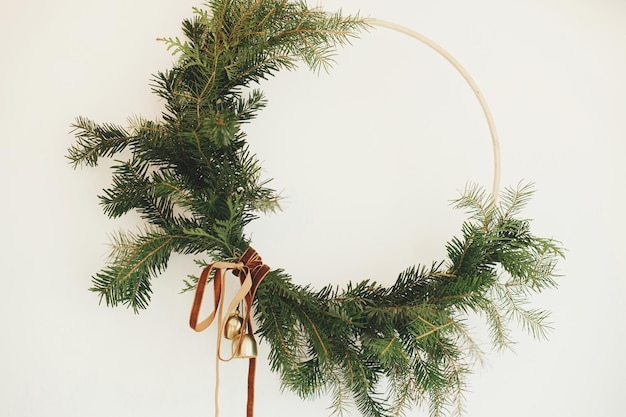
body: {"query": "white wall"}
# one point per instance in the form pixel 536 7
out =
pixel 368 157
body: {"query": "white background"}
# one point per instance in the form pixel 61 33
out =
pixel 368 158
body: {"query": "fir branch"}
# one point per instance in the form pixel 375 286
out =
pixel 534 321
pixel 463 339
pixel 95 141
pixel 513 200
pixel 134 259
pixel 475 201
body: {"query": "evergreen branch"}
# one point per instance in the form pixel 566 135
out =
pixel 458 250
pixel 498 330
pixel 261 69
pixel 129 186
pixel 340 401
pixel 245 16
pixel 126 280
pixel 95 141
pixel 532 320
pixel 472 348
pixel 434 329
pixel 475 201
pixel 391 342
pixel 454 383
pixel 310 324
pixel 515 199
pixel 410 393
pixel 164 186
pixel 199 147
pixel 208 86
pixel 283 344
pixel 134 260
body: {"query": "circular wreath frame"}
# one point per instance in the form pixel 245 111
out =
pixel 192 178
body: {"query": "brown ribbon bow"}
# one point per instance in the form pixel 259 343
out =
pixel 250 270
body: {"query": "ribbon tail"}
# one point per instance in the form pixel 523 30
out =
pixel 251 377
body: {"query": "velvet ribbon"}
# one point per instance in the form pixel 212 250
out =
pixel 250 270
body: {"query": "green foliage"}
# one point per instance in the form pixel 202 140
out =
pixel 411 337
pixel 192 179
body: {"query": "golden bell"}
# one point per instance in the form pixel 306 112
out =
pixel 232 326
pixel 244 346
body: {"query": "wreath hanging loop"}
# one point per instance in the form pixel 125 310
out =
pixel 192 178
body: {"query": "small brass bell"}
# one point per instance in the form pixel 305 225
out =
pixel 232 326
pixel 244 346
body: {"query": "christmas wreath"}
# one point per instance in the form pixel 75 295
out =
pixel 192 178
